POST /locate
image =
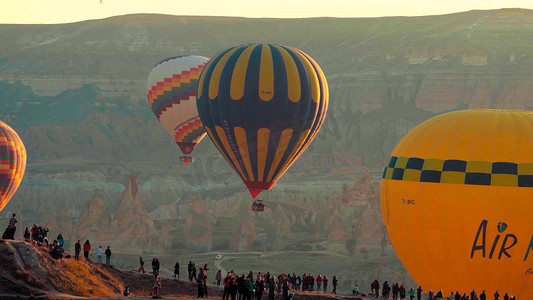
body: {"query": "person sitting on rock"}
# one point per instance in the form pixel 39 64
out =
pixel 126 292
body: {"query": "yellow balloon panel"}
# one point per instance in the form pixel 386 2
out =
pixel 457 201
pixel 435 230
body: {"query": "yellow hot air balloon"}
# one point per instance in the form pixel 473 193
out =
pixel 457 201
pixel 12 163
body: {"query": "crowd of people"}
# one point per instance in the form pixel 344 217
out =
pixel 398 291
pixel 241 287
pixel 248 287
pixel 39 236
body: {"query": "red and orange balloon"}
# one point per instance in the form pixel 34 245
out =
pixel 12 163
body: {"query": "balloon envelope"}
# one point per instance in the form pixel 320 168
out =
pixel 171 92
pixel 12 163
pixel 457 201
pixel 262 105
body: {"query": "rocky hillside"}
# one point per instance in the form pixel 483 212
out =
pixel 29 270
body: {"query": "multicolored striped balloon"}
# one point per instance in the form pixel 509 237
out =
pixel 171 92
pixel 12 163
pixel 262 105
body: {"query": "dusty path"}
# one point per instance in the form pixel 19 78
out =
pixel 220 267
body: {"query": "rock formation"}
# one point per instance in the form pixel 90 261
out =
pixel 131 223
pixel 64 224
pixel 95 223
pixel 198 228
pixel 243 229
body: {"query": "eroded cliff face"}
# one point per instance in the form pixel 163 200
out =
pixel 95 223
pixel 130 227
pixel 198 228
pixel 131 223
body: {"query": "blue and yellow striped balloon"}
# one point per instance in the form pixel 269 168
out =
pixel 262 105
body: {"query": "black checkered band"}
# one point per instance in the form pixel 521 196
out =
pixel 459 172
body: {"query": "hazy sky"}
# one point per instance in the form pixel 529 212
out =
pixel 65 11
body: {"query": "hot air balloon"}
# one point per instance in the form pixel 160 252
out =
pixel 457 202
pixel 12 163
pixel 171 92
pixel 262 105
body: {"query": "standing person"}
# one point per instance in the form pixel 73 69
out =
pixel 395 290
pixel 311 282
pixel 200 281
pixel 218 277
pixel 412 294
pixel 205 281
pixel 483 296
pixel 271 285
pixel 177 269
pixel 402 291
pixel 241 287
pixel 157 266
pixel 12 227
pixel 496 295
pixel 154 267
pixel 473 295
pixel 319 282
pixel 233 286
pixel 419 293
pixel 335 282
pixel 385 290
pixel 250 289
pixel 285 290
pixel 77 250
pixel 259 289
pixel 299 282
pixel 377 287
pixel 99 253
pixel 86 249
pixel 33 231
pixel 141 262
pixel 227 286
pixel 325 280
pixel 189 269
pixel 108 256
pixel 194 272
